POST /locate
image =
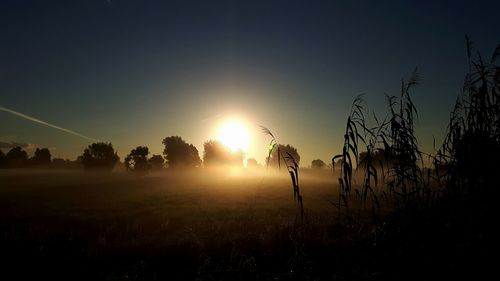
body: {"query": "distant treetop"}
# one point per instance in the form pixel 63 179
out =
pixel 180 154
pixel 42 157
pixel 99 155
pixel 216 153
pixel 137 160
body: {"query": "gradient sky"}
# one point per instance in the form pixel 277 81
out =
pixel 134 72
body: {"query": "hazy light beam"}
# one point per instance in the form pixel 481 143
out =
pixel 27 117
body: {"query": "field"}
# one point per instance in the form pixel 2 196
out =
pixel 117 226
pixel 201 225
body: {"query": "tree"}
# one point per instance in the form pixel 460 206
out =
pixel 216 153
pixel 16 158
pixel 99 155
pixel 42 157
pixel 3 161
pixel 318 164
pixel 137 160
pixel 179 154
pixel 284 150
pixel 252 163
pixel 156 162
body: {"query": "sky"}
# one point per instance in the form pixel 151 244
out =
pixel 135 72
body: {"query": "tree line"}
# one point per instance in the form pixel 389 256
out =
pixel 177 154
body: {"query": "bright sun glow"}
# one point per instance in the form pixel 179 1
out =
pixel 235 135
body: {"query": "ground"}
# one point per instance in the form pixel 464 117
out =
pixel 202 225
pixel 116 225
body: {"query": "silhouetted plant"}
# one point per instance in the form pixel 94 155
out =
pixel 137 160
pixel 215 153
pixel 379 157
pixel 400 142
pixel 156 162
pixel 472 144
pixel 180 154
pixel 298 260
pixel 42 157
pixel 390 147
pixel 349 157
pixel 287 155
pixel 274 159
pixel 372 160
pixel 99 155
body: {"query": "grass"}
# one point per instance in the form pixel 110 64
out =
pixel 81 226
pixel 83 223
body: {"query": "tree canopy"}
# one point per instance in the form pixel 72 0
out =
pixel 137 160
pixel 42 157
pixel 99 155
pixel 180 154
pixel 252 163
pixel 318 164
pixel 16 158
pixel 216 153
pixel 156 161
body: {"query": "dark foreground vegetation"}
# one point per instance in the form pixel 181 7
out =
pixel 384 214
pixel 78 226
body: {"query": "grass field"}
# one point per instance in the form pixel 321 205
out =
pixel 114 226
pixel 201 225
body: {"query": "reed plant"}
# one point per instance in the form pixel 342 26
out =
pixel 469 154
pixel 394 181
pixel 291 165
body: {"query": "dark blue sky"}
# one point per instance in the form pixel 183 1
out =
pixel 133 72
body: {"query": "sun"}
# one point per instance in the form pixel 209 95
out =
pixel 235 135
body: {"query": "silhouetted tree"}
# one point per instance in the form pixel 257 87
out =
pixel 3 162
pixel 252 163
pixel 99 155
pixel 216 153
pixel 156 162
pixel 16 158
pixel 284 150
pixel 42 157
pixel 180 154
pixel 137 160
pixel 318 164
